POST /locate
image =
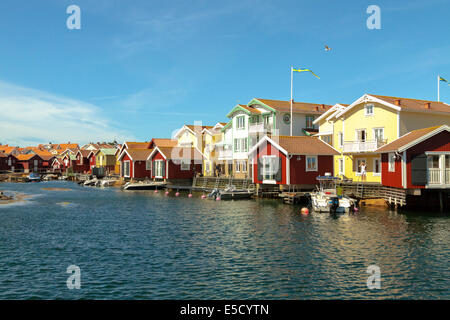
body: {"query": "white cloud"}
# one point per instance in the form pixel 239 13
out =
pixel 29 117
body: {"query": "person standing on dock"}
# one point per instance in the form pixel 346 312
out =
pixel 362 167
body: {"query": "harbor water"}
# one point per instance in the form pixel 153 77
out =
pixel 146 245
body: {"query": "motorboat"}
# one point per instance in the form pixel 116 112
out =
pixel 34 177
pixel 231 193
pixel 330 198
pixel 143 185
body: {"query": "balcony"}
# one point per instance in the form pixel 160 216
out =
pixel 225 155
pixel 437 176
pixel 260 128
pixel 362 146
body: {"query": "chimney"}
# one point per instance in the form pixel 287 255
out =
pixel 323 106
pixel 428 105
pixel 317 108
pixel 397 102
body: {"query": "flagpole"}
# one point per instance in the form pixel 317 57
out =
pixel 438 87
pixel 292 81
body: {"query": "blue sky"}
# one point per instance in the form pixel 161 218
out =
pixel 141 69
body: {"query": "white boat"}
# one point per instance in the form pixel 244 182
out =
pixel 107 182
pixel 329 199
pixel 90 182
pixel 143 185
pixel 231 193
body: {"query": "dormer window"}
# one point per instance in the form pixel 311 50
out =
pixel 368 110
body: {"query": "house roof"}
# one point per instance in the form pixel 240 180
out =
pixel 84 153
pixel 3 155
pixel 7 149
pixel 138 154
pixel 408 104
pixel 137 145
pixel 179 153
pixel 65 146
pixel 25 157
pixel 297 107
pixel 298 145
pixel 108 151
pixel 164 142
pixel 45 155
pixel 412 138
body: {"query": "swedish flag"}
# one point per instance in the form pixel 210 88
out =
pixel 305 70
pixel 442 79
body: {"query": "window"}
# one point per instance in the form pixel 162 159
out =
pixel 391 162
pixel 148 165
pixel 244 144
pixel 368 110
pixel 341 139
pixel 238 166
pixel 9 161
pixel 311 163
pixel 240 145
pixel 240 122
pixel 341 166
pixel 159 168
pixel 309 122
pixel 361 135
pixel 327 139
pixel 236 145
pixel 185 164
pixel 433 162
pixel 244 166
pixel 270 167
pixel 377 167
pixel 126 168
pixel 447 162
pixel 378 134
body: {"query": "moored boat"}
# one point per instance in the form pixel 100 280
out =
pixel 329 198
pixel 34 177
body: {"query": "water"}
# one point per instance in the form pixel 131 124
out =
pixel 142 245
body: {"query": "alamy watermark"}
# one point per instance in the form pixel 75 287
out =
pixel 74 280
pixel 74 20
pixel 374 20
pixel 374 280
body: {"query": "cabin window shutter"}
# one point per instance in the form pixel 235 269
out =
pixel 419 170
pixel 278 176
pixel 260 169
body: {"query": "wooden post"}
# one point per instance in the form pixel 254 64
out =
pixel 441 202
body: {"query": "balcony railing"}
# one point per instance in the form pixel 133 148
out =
pixel 225 154
pixel 434 176
pixel 362 146
pixel 447 176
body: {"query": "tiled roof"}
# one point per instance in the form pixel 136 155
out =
pixel 65 146
pixel 406 139
pixel 181 153
pixel 108 152
pixel 304 145
pixel 250 109
pixel 137 145
pixel 3 155
pixel 139 154
pixel 415 104
pixel 25 157
pixel 160 142
pixel 297 107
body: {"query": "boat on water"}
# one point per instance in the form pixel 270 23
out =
pixel 143 185
pixel 34 177
pixel 329 197
pixel 231 193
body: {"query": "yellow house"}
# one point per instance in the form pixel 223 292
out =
pixel 359 129
pixel 210 138
pixel 106 158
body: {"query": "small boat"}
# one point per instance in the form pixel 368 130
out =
pixel 231 193
pixel 329 199
pixel 90 182
pixel 143 185
pixel 107 182
pixel 34 177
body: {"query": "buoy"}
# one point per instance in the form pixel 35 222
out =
pixel 177 194
pixel 355 209
pixel 203 196
pixel 305 211
pixel 218 199
pixel 156 190
pixel 190 195
pixel 167 193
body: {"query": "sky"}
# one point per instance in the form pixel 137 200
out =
pixel 137 70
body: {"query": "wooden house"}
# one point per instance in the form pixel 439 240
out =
pixel 291 160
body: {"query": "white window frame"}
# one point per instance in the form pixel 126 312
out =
pixel 238 166
pixel 341 166
pixel 376 174
pixel 391 162
pixel 264 159
pixel 159 168
pixel 239 125
pixel 148 165
pixel 129 169
pixel 316 160
pixel 357 135
pixel 341 139
pixel 244 166
pixel 374 135
pixel 365 110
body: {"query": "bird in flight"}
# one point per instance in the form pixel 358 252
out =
pixel 327 48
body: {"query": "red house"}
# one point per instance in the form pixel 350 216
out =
pixel 418 160
pixel 29 162
pixel 57 164
pixel 3 162
pixel 133 163
pixel 92 159
pixel 175 162
pixel 82 162
pixel 286 160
